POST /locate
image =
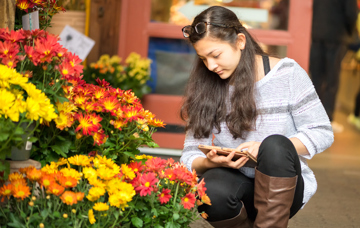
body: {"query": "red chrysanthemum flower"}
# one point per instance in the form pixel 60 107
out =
pixel 183 175
pixel 147 182
pixel 201 188
pixel 164 196
pixel 136 166
pixel 188 201
pixel 155 164
pixel 24 5
pixel 88 128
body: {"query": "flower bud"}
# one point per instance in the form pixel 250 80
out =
pixel 31 203
pixel 41 225
pixel 33 198
pixel 73 211
pixel 65 215
pixel 48 197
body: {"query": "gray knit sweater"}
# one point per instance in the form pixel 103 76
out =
pixel 288 105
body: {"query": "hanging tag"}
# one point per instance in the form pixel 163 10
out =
pixel 28 145
pixel 30 21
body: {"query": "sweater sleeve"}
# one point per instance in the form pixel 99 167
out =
pixel 311 121
pixel 191 150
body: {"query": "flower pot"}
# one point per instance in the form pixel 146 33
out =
pixel 23 153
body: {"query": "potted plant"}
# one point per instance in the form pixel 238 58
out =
pixel 21 105
pixel 84 191
pixel 97 119
pixel 131 75
pixel 47 9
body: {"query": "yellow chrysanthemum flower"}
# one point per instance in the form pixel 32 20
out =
pixel 101 207
pixel 62 161
pixel 101 161
pixel 89 173
pixel 97 183
pixel 69 172
pixel 92 219
pixel 127 172
pixel 15 176
pixel 80 160
pixel 105 173
pixel 95 193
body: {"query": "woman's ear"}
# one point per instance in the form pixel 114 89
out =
pixel 241 41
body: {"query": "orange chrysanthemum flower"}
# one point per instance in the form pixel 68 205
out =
pixel 79 196
pixel 18 182
pixel 21 191
pixel 34 174
pixel 56 189
pixel 6 190
pixel 68 182
pixel 46 180
pixel 69 198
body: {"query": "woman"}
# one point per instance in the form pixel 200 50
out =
pixel 247 100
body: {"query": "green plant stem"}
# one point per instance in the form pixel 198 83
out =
pixel 176 192
pixel 11 135
pixel 3 213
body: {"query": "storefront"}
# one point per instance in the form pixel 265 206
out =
pixel 152 28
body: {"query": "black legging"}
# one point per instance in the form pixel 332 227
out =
pixel 277 157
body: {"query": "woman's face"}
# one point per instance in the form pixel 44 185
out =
pixel 219 56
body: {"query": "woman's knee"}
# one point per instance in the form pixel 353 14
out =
pixel 277 155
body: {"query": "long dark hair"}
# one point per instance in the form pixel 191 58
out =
pixel 205 96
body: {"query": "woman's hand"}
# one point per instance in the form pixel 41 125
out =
pixel 252 147
pixel 226 161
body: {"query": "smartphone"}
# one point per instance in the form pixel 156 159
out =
pixel 226 151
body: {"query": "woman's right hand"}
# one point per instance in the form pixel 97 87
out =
pixel 226 161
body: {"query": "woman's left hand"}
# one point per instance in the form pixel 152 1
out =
pixel 252 147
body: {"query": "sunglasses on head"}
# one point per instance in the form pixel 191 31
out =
pixel 200 28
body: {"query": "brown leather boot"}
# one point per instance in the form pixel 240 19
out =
pixel 239 221
pixel 273 198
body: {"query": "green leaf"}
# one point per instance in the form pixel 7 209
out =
pixel 57 214
pixel 15 222
pixel 154 212
pixel 58 150
pixel 158 226
pixel 137 222
pixel 152 144
pixel 33 139
pixel 4 136
pixel 176 216
pixel 44 213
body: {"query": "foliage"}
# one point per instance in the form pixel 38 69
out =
pixel 38 55
pixel 100 119
pixel 47 9
pixel 84 191
pixel 20 103
pixel 132 75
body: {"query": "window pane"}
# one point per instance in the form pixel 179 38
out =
pixel 173 59
pixel 260 14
